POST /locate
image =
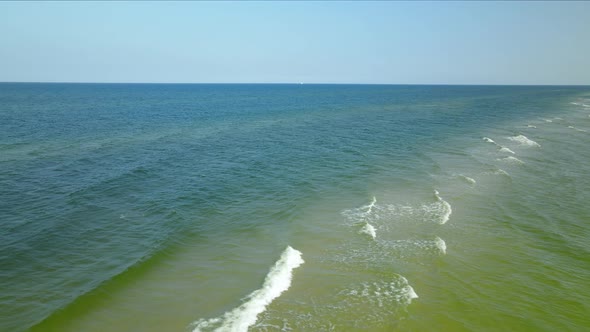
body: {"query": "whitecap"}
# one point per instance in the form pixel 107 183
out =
pixel 362 214
pixel 369 230
pixel 381 293
pixel 276 282
pixel 467 179
pixel 523 140
pixel 501 172
pixel 512 160
pixel 531 126
pixel 443 208
pixel 489 140
pixel 507 150
pixel 438 212
pixel 441 245
pixel 414 247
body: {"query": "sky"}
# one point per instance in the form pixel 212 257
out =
pixel 368 42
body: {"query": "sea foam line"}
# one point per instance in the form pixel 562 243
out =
pixel 276 282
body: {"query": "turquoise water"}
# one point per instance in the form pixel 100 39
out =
pixel 151 207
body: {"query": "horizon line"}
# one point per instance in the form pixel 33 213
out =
pixel 288 83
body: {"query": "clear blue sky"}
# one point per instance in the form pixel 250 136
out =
pixel 312 42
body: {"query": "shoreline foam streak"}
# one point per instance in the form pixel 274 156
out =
pixel 276 282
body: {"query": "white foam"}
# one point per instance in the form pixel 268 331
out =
pixel 523 140
pixel 383 214
pixel 276 282
pixel 363 214
pixel 507 150
pixel 547 120
pixel 371 205
pixel 441 245
pixel 381 293
pixel 444 208
pixel 531 126
pixel 369 230
pixel 501 172
pixel 512 160
pixel 489 140
pixel 467 179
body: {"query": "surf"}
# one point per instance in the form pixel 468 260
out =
pixel 523 140
pixel 277 281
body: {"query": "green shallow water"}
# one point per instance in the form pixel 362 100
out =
pixel 162 207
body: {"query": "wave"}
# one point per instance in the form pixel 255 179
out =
pixel 577 129
pixel 366 305
pixel 580 104
pixel 408 248
pixel 489 140
pixel 438 212
pixel 507 150
pixel 441 245
pixel 382 293
pixel 445 208
pixel 531 126
pixel 466 179
pixel 371 205
pixel 276 282
pixel 499 171
pixel 369 230
pixel 523 140
pixel 512 160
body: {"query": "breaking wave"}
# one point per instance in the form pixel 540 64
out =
pixel 437 212
pixel 507 150
pixel 511 160
pixel 523 140
pixel 276 282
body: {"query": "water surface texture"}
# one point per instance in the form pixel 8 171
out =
pixel 149 207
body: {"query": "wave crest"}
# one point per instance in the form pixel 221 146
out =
pixel 276 282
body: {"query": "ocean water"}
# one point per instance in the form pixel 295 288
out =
pixel 148 207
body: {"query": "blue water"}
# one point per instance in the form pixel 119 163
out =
pixel 97 180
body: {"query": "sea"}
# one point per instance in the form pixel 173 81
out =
pixel 294 207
